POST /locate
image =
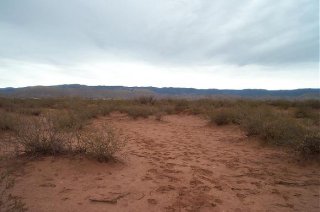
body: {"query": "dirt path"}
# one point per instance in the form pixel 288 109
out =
pixel 179 164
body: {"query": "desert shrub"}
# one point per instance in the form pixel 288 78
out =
pixel 87 112
pixel 221 103
pixel 303 112
pixel 38 136
pixel 230 115
pixel 310 145
pixel 252 120
pixel 101 144
pixel 181 106
pixel 253 125
pixel 146 100
pixel 139 111
pixel 311 103
pixel 283 104
pixel 221 117
pixel 7 121
pixel 30 111
pixel 199 107
pixel 67 120
pixel 167 108
pixel 273 127
pixel 106 109
pixel 282 131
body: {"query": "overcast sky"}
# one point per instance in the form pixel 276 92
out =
pixel 179 43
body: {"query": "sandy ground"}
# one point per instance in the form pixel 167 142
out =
pixel 178 164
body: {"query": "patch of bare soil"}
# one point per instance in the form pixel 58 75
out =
pixel 178 164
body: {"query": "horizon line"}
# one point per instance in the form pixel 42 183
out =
pixel 318 88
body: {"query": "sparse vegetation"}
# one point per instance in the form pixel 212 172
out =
pixel 310 145
pixel 7 121
pixel 221 117
pixel 9 202
pixel 101 144
pixel 139 111
pixel 38 136
pixel 66 127
pixel 277 122
pixel 146 100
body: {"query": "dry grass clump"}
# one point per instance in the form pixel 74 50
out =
pixel 303 112
pixel 222 117
pixel 30 111
pixel 253 119
pixel 272 126
pixel 38 136
pixel 166 108
pixel 100 144
pixel 146 100
pixel 225 116
pixel 310 145
pixel 307 113
pixel 181 106
pixel 85 113
pixel 105 110
pixel 67 121
pixel 282 131
pixel 9 202
pixel 279 122
pixel 136 111
pixel 7 121
pixel 311 103
pixel 282 104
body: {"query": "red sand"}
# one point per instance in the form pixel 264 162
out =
pixel 179 164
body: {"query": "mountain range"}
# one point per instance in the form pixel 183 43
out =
pixel 122 92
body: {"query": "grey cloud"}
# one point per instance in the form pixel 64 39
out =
pixel 163 32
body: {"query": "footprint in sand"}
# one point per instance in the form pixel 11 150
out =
pixel 65 190
pixel 152 201
pixel 166 188
pixel 49 185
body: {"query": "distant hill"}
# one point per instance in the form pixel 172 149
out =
pixel 122 92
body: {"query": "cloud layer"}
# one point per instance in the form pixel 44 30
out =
pixel 168 33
